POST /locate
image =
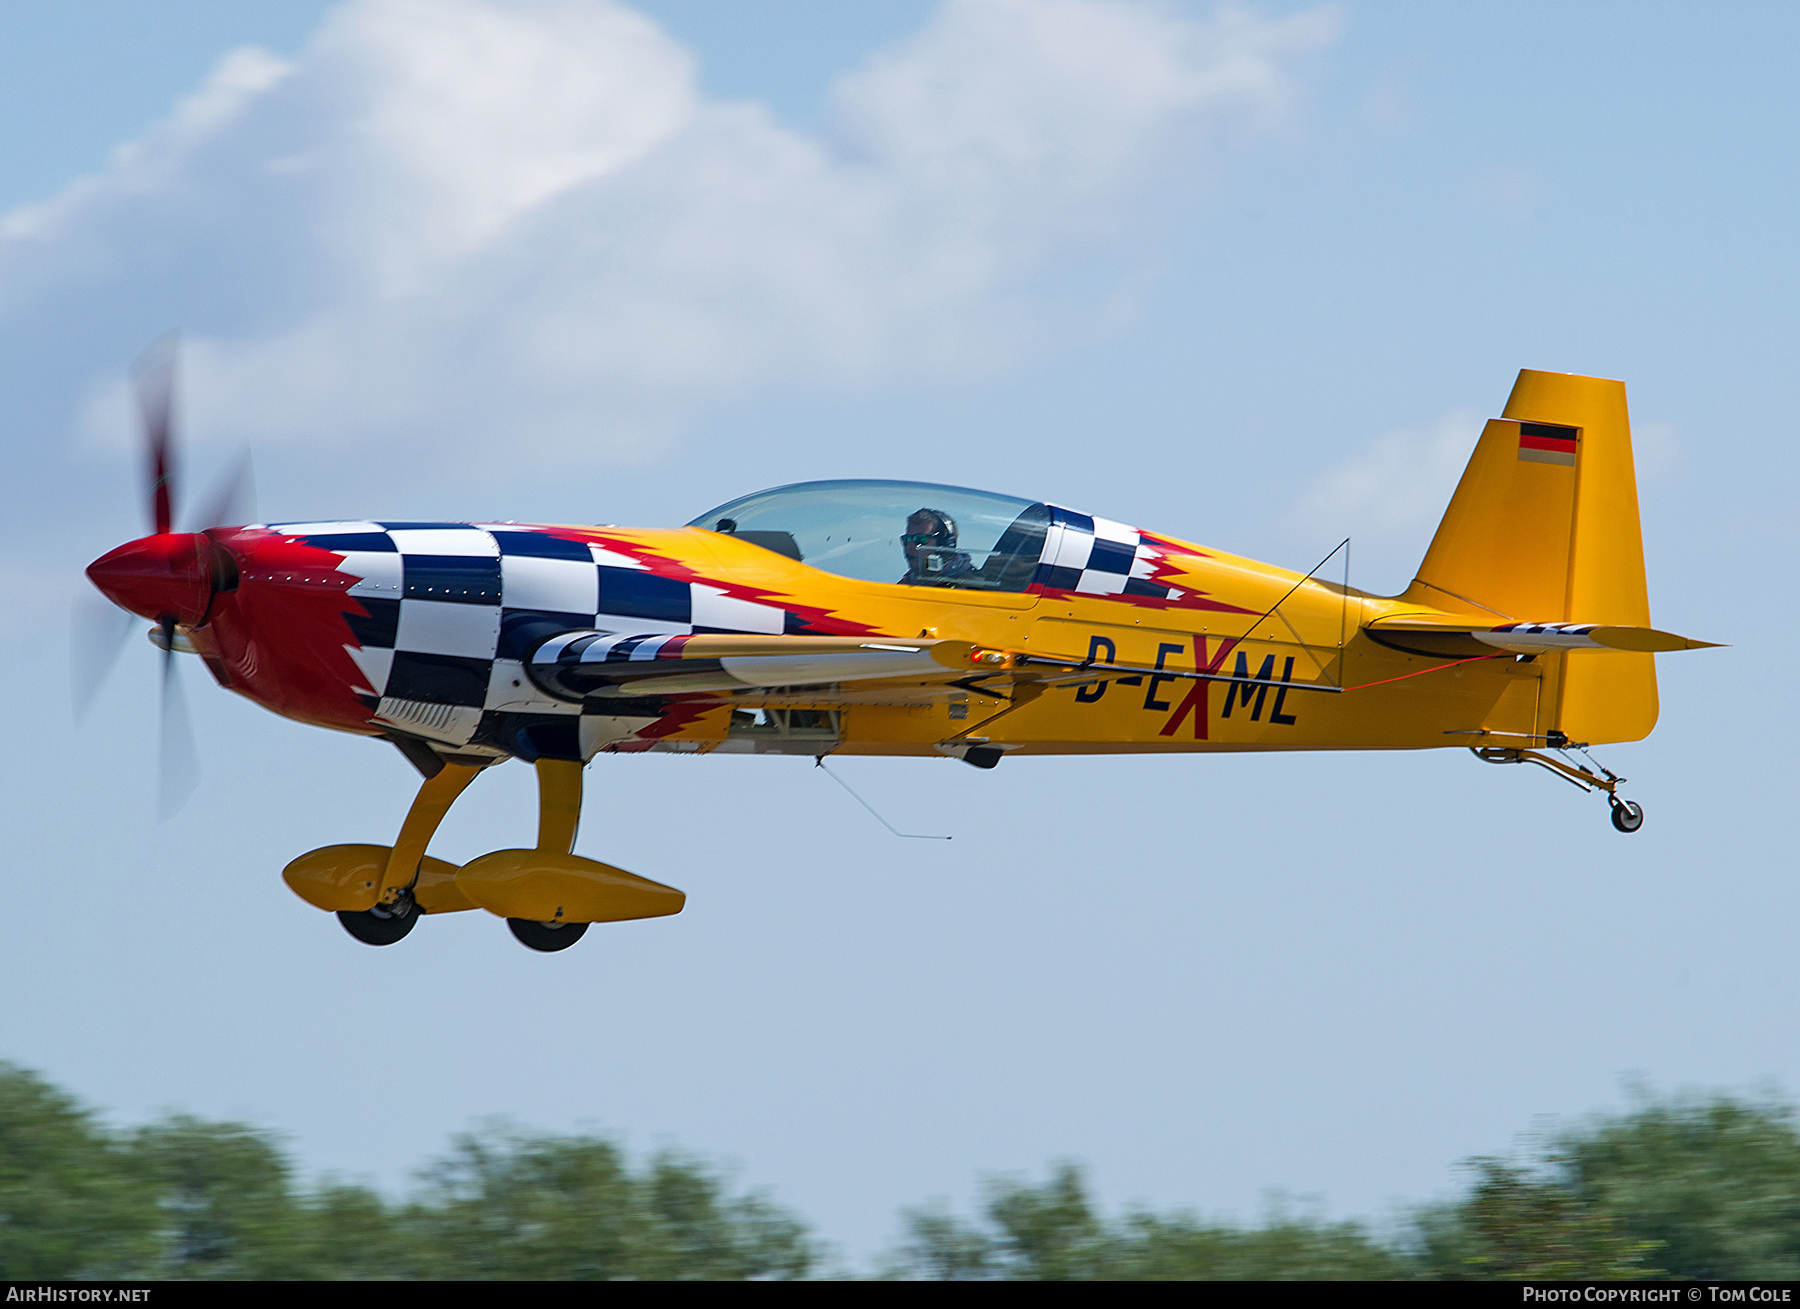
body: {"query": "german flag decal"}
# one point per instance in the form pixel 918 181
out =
pixel 1546 443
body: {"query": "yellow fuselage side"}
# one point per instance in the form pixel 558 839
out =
pixel 1314 638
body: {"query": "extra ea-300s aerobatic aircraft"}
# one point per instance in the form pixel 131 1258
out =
pixel 900 618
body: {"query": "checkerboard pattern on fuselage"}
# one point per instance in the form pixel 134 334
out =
pixel 1096 556
pixel 454 608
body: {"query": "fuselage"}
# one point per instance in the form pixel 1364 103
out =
pixel 424 632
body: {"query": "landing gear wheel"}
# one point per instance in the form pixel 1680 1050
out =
pixel 1627 815
pixel 548 937
pixel 380 925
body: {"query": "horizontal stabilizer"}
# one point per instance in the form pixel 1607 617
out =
pixel 1459 638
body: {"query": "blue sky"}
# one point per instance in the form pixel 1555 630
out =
pixel 1252 277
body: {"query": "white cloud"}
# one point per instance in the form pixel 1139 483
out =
pixel 152 164
pixel 1389 498
pixel 1659 450
pixel 459 117
pixel 459 219
pixel 1509 192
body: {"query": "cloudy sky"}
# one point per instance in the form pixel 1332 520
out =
pixel 1250 275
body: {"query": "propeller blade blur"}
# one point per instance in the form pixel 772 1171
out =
pixel 233 499
pixel 98 630
pixel 179 771
pixel 154 373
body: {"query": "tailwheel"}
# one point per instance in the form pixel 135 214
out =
pixel 548 937
pixel 1627 815
pixel 382 925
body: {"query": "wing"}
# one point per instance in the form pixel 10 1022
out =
pixel 812 670
pixel 577 665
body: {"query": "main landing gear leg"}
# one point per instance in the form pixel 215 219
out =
pixel 548 894
pixel 559 815
pixel 395 911
pixel 1627 815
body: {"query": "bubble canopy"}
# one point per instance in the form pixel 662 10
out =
pixel 909 533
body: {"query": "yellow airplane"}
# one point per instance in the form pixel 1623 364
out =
pixel 897 618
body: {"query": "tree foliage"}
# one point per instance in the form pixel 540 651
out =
pixel 70 1204
pixel 1697 1187
pixel 1692 1188
pixel 507 1205
pixel 1053 1233
pixel 225 1200
pixel 188 1199
pixel 1520 1226
pixel 1715 1182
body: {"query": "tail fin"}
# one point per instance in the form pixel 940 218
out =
pixel 1544 528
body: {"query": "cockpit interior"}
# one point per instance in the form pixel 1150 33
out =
pixel 907 533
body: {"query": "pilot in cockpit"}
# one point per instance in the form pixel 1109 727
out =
pixel 932 558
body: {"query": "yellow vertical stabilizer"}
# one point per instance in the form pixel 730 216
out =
pixel 1544 528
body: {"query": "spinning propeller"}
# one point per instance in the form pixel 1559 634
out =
pixel 169 577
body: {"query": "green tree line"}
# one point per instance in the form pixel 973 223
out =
pixel 1693 1188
